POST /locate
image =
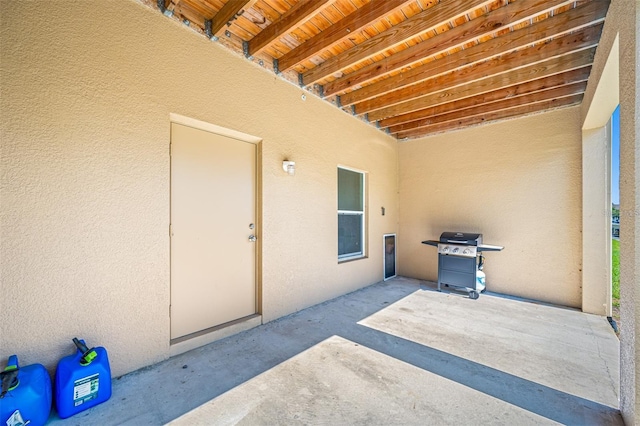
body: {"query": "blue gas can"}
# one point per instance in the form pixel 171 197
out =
pixel 83 380
pixel 25 397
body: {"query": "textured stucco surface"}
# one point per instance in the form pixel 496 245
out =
pixel 518 182
pixel 623 23
pixel 87 89
pixel 596 221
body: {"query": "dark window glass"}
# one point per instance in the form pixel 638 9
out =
pixel 350 189
pixel 349 234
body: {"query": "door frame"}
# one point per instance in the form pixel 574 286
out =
pixel 384 256
pixel 182 345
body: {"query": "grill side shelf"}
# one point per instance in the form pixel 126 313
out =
pixel 431 243
pixel 489 247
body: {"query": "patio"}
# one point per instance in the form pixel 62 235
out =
pixel 397 352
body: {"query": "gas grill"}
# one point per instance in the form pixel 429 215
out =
pixel 459 260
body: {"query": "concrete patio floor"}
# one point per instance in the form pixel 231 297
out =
pixel 394 353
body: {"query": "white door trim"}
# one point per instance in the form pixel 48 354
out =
pixel 212 128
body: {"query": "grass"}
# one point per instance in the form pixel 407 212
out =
pixel 615 276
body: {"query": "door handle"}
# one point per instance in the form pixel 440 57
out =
pixel 252 238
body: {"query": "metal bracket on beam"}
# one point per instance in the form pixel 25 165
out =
pixel 207 28
pixel 245 49
pixel 387 131
pixel 377 123
pixel 353 110
pixel 300 80
pixel 338 103
pixel 321 90
pixel 365 116
pixel 276 68
pixel 163 9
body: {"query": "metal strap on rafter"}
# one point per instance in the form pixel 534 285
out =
pixel 338 103
pixel 207 27
pixel 276 68
pixel 245 49
pixel 300 80
pixel 161 5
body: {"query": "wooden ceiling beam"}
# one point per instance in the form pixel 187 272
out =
pixel 557 80
pixel 298 14
pixel 559 47
pixel 549 67
pixel 575 19
pixel 491 116
pixel 172 4
pixel 184 10
pixel 340 31
pixel 226 14
pixel 440 14
pixel 203 8
pixel 441 64
pixel 531 98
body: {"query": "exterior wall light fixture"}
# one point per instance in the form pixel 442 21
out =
pixel 289 167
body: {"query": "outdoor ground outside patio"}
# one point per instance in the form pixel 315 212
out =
pixel 397 352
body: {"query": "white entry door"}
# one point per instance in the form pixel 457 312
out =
pixel 213 249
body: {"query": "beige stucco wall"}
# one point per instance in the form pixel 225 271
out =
pixel 87 89
pixel 596 184
pixel 518 182
pixel 623 24
pixel 596 221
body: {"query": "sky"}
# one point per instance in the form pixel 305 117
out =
pixel 615 156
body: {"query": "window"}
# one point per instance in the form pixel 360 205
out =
pixel 351 220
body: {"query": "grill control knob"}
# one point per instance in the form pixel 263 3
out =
pixel 455 250
pixel 445 249
pixel 466 251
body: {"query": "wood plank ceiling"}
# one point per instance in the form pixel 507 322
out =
pixel 414 67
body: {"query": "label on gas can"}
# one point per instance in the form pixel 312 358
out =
pixel 16 419
pixel 85 389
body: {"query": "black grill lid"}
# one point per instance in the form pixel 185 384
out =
pixel 461 238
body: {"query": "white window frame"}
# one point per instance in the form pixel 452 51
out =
pixel 361 254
